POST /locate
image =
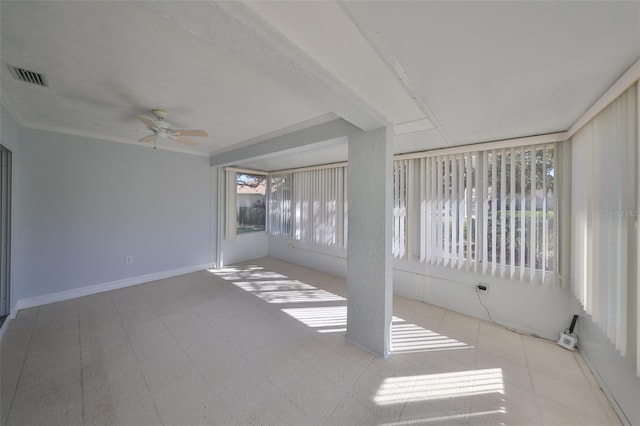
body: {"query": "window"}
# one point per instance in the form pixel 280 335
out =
pixel 280 193
pixel 519 211
pixel 309 205
pixel 486 211
pixel 250 203
pixel 399 228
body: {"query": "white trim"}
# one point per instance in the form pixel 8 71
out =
pixel 485 146
pixel 246 171
pixel 322 119
pixel 100 288
pixel 626 80
pixel 310 168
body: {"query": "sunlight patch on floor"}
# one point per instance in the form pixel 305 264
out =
pixel 398 390
pixel 274 285
pixel 279 289
pixel 298 296
pixel 413 338
pixel 251 272
pixel 447 419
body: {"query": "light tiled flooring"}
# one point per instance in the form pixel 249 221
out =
pixel 263 343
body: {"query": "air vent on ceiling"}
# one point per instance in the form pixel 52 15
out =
pixel 28 76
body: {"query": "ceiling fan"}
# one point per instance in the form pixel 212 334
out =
pixel 161 128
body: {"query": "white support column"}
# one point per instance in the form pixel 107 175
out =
pixel 370 266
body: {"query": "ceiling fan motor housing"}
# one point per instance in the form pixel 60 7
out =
pixel 160 114
pixel 162 128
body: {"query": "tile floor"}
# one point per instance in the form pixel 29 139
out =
pixel 263 343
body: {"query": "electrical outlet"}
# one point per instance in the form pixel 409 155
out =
pixel 128 260
pixel 482 288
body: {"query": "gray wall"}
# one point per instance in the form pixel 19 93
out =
pixel 614 372
pixel 10 138
pixel 84 204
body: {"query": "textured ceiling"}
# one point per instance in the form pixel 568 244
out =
pixel 107 61
pixel 459 72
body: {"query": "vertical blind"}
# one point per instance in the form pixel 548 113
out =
pixel 279 213
pixel 230 205
pixel 489 211
pixel 604 214
pixel 399 227
pixel 309 205
pixel 486 211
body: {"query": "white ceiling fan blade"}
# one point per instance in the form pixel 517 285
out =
pixel 185 141
pixel 147 138
pixel 148 122
pixel 190 133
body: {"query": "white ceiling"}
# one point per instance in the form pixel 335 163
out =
pixel 498 70
pixel 458 72
pixel 107 61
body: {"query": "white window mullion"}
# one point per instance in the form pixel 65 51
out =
pixel 479 212
pixel 544 214
pixel 447 210
pixel 231 211
pixel 440 213
pixel 345 226
pixel 503 216
pixel 494 213
pixel 512 213
pixel 425 201
pixel 339 207
pixel 534 217
pixel 455 211
pixel 523 213
pixel 434 242
pixel 485 212
pixel 461 211
pixel 309 195
pixel 398 202
pixel 469 187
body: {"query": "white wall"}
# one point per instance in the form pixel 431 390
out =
pixel 85 204
pixel 329 260
pixel 248 246
pixel 531 308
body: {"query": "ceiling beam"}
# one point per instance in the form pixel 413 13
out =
pixel 326 134
pixel 236 30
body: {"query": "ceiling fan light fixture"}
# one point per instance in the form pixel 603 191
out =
pixel 160 114
pixel 162 128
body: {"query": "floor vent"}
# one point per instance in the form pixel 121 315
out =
pixel 28 76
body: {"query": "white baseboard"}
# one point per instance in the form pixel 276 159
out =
pixel 45 299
